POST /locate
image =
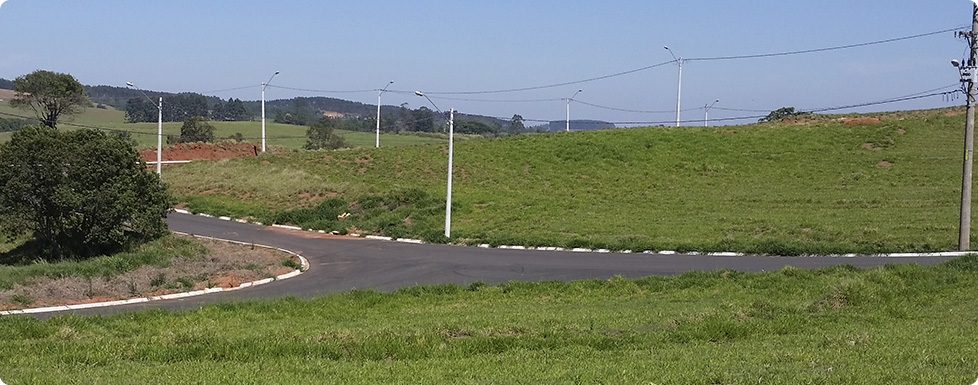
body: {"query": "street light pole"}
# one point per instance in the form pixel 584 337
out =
pixel 378 111
pixel 263 85
pixel 706 117
pixel 568 109
pixel 159 130
pixel 451 151
pixel 679 95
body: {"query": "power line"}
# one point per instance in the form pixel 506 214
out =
pixel 322 91
pixel 822 49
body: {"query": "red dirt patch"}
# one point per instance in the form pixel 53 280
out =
pixel 870 146
pixel 197 151
pixel 855 121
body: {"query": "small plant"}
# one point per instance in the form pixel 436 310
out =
pixel 133 288
pixel 22 300
pixel 158 280
pixel 186 283
pixel 289 262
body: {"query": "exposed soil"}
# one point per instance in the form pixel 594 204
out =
pixel 7 94
pixel 861 120
pixel 196 151
pixel 227 265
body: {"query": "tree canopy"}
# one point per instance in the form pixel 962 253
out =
pixel 78 193
pixel 196 129
pixel 781 113
pixel 322 136
pixel 50 95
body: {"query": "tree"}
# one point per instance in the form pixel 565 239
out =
pixel 50 95
pixel 196 129
pixel 78 193
pixel 321 135
pixel 141 110
pixel 422 120
pixel 781 113
pixel 516 125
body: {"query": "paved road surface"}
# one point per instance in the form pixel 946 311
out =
pixel 340 264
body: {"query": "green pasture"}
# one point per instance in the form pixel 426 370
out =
pixel 903 324
pixel 281 135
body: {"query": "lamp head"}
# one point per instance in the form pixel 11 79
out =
pixel 129 84
pixel 955 63
pixel 419 93
pixel 276 72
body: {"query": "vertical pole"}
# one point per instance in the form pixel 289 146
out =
pixel 706 117
pixel 964 238
pixel 448 199
pixel 377 144
pixel 679 95
pixel 568 116
pixel 159 140
pixel 263 117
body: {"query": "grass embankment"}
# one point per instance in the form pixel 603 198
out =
pixel 282 135
pixel 899 324
pixel 819 187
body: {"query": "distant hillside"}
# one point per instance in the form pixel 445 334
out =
pixel 6 84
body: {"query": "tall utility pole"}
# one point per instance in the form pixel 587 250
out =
pixel 964 237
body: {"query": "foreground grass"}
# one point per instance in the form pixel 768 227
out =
pixel 900 324
pixel 820 187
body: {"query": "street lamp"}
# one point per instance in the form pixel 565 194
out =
pixel 263 85
pixel 679 95
pixel 568 110
pixel 378 111
pixel 159 134
pixel 451 141
pixel 706 118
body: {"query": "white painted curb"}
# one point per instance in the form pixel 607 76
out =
pixel 294 273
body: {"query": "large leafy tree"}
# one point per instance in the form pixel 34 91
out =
pixel 50 95
pixel 516 125
pixel 196 129
pixel 322 136
pixel 79 193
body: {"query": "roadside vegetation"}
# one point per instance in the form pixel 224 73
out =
pixel 902 324
pixel 817 186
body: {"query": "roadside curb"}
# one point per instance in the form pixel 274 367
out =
pixel 294 273
pixel 598 251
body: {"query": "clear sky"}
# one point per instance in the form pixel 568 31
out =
pixel 462 46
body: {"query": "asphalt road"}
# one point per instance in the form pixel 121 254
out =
pixel 340 264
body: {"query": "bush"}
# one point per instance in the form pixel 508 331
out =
pixel 196 129
pixel 80 193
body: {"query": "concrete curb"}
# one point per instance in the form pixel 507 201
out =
pixel 294 273
pixel 605 251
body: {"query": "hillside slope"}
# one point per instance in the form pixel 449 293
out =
pixel 820 186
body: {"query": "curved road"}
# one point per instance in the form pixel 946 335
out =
pixel 342 263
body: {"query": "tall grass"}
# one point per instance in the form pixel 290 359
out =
pixel 819 187
pixel 840 325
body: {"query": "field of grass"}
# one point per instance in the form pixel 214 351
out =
pixel 895 324
pixel 819 187
pixel 282 135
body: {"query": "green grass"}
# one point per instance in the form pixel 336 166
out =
pixel 903 324
pixel 156 253
pixel 771 188
pixel 281 135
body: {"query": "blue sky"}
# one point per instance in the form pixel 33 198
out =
pixel 461 46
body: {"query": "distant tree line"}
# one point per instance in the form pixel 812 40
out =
pixel 6 84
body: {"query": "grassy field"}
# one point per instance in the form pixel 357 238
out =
pixel 817 187
pixel 896 324
pixel 282 135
